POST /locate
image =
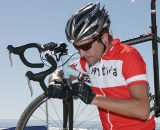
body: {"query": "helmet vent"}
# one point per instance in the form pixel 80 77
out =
pixel 90 31
pixel 79 28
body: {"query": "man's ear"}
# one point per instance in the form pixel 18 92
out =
pixel 105 38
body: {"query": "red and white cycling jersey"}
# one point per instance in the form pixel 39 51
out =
pixel 119 68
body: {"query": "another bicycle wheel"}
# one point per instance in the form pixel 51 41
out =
pixel 48 112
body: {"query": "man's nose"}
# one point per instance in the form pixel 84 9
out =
pixel 82 53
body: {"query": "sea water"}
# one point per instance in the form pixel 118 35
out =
pixel 6 123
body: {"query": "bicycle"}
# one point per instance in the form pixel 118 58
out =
pixel 68 106
pixel 67 70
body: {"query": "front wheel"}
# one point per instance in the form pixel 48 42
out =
pixel 36 114
pixel 48 112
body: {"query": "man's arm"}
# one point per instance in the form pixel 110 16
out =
pixel 58 74
pixel 55 75
pixel 137 106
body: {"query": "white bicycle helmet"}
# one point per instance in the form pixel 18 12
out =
pixel 87 23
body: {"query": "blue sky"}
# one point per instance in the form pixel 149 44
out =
pixel 42 21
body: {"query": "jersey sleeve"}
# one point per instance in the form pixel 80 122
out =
pixel 134 68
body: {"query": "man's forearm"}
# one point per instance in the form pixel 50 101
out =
pixel 127 107
pixel 56 75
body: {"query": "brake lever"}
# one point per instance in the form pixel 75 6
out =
pixel 10 58
pixel 30 86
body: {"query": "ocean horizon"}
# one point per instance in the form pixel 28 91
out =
pixel 9 123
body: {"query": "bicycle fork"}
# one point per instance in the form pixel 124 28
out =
pixel 68 109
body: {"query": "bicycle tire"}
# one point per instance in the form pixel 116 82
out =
pixel 32 107
pixel 29 110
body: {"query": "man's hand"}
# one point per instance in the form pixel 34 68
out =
pixel 83 91
pixel 57 90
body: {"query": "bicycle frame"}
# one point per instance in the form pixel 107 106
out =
pixel 155 39
pixel 67 72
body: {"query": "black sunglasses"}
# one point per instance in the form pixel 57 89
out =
pixel 85 47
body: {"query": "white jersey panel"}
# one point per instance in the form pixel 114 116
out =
pixel 107 74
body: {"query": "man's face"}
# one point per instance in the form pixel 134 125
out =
pixel 91 50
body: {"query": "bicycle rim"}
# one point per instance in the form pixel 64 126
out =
pixel 35 115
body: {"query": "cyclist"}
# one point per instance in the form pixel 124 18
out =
pixel 117 72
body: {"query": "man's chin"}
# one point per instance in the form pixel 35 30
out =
pixel 90 63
